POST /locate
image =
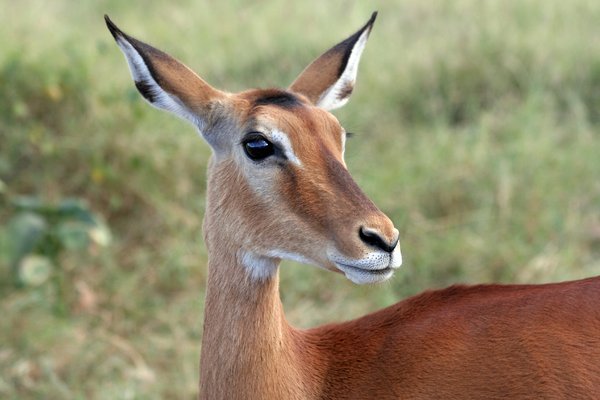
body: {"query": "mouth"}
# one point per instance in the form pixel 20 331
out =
pixel 363 276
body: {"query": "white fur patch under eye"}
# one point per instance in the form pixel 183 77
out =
pixel 331 100
pixel 283 140
pixel 160 98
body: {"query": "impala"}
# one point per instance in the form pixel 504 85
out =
pixel 278 188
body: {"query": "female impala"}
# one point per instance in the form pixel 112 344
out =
pixel 278 188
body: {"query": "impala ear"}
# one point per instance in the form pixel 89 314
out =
pixel 165 82
pixel 329 80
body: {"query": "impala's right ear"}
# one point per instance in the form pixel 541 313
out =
pixel 165 82
pixel 329 80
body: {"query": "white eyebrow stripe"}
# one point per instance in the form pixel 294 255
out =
pixel 284 141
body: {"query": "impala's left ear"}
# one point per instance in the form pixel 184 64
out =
pixel 329 80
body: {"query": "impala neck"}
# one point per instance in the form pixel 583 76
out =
pixel 248 349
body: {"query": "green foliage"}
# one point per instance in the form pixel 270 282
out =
pixel 39 233
pixel 33 93
pixel 477 131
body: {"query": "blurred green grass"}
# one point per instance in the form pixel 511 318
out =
pixel 477 131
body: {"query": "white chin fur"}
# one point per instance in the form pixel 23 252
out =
pixel 396 257
pixel 363 277
pixel 376 266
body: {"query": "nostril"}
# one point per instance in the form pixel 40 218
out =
pixel 373 238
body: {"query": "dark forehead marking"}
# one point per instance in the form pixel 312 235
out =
pixel 278 98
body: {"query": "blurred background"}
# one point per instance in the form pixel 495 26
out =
pixel 477 130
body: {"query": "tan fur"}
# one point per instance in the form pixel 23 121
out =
pixel 478 342
pixel 481 342
pixel 324 71
pixel 492 342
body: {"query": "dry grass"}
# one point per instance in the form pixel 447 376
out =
pixel 477 132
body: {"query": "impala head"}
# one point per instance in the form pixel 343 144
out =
pixel 278 184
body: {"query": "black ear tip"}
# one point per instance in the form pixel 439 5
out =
pixel 369 25
pixel 114 30
pixel 373 17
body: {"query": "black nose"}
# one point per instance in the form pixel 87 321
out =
pixel 373 238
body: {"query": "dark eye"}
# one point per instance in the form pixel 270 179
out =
pixel 258 148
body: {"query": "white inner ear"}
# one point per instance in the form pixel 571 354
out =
pixel 160 98
pixel 330 99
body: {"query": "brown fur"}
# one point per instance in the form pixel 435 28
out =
pixel 323 72
pixel 492 342
pixel 477 342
